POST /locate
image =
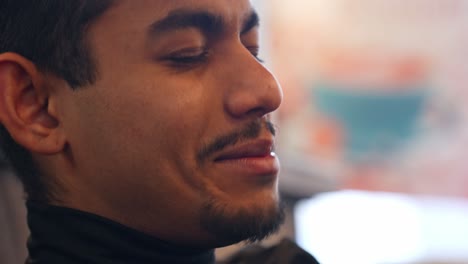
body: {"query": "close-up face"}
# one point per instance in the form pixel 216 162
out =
pixel 174 136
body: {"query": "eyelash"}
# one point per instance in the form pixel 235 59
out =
pixel 191 60
pixel 254 50
pixel 259 59
pixel 188 60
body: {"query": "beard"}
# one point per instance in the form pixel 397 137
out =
pixel 230 226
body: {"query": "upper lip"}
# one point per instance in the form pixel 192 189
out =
pixel 257 148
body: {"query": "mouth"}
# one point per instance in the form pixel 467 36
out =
pixel 251 158
pixel 260 148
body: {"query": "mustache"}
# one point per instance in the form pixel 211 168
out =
pixel 250 131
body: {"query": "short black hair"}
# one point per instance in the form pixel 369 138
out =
pixel 52 35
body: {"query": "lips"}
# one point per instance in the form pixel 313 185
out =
pixel 250 158
pixel 257 149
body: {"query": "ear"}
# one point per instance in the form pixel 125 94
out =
pixel 26 108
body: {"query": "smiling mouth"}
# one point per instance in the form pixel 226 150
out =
pixel 256 149
pixel 251 158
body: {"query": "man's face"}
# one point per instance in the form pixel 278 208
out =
pixel 173 138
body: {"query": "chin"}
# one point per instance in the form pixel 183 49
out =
pixel 231 223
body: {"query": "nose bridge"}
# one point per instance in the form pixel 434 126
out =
pixel 252 89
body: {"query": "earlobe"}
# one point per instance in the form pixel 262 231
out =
pixel 24 106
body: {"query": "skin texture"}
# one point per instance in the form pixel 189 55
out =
pixel 150 144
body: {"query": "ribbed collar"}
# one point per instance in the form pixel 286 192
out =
pixel 68 236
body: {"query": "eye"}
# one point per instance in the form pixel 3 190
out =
pixel 187 56
pixel 255 50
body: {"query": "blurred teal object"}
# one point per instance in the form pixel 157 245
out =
pixel 374 122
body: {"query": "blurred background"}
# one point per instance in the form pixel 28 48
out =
pixel 373 130
pixel 374 126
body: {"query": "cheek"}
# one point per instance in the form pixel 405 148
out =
pixel 165 122
pixel 145 128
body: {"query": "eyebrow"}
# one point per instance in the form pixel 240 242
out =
pixel 252 22
pixel 206 22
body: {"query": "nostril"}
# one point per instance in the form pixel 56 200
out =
pixel 258 111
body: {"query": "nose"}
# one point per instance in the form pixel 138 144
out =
pixel 252 89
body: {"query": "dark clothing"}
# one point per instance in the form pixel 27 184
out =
pixel 286 252
pixel 66 236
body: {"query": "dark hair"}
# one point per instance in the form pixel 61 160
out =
pixel 51 34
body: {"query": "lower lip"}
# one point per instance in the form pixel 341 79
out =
pixel 266 165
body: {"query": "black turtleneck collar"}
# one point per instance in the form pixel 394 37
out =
pixel 67 236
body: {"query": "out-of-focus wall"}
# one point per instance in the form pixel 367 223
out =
pixel 375 92
pixel 376 101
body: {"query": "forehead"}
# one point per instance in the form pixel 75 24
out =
pixel 146 11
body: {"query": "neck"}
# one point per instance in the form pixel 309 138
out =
pixel 63 235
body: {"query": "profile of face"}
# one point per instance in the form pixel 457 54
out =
pixel 174 137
